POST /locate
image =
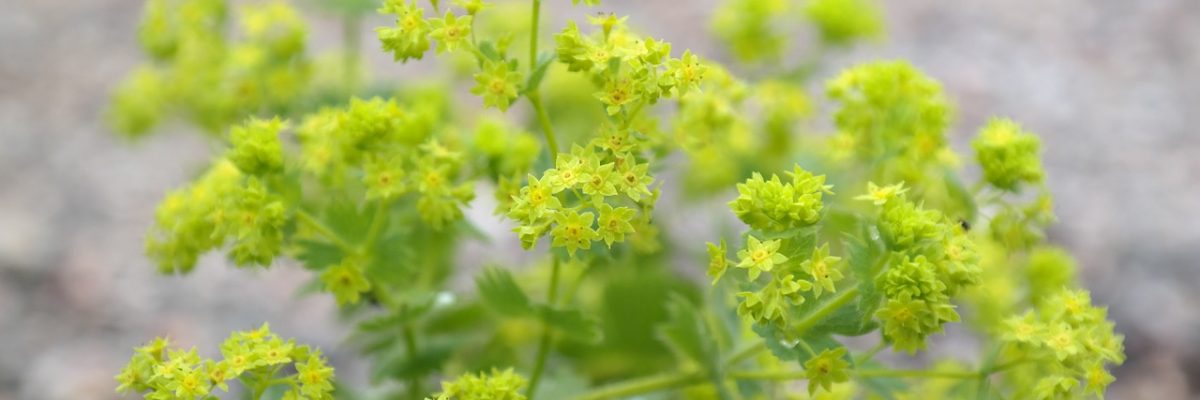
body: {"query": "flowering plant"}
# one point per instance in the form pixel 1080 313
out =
pixel 869 232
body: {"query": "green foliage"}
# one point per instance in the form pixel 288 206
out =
pixel 369 194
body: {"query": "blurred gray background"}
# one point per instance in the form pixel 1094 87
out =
pixel 1112 86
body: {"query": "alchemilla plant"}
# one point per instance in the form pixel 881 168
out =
pixel 836 246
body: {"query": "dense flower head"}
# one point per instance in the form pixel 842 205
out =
pixel 906 225
pixel 1009 155
pixel 870 93
pixel 750 28
pixel 917 302
pixel 215 80
pixel 256 149
pixel 256 357
pixel 1068 344
pixel 841 22
pixel 494 385
pixel 775 205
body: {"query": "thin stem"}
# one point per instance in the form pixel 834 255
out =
pixel 916 373
pixel 533 96
pixel 645 385
pixel 376 227
pixel 869 354
pixel 410 345
pixel 767 375
pixel 351 41
pixel 544 120
pixel 829 307
pixel 533 34
pixel 746 352
pixel 321 229
pixel 547 334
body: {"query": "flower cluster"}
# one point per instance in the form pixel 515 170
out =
pixel 714 130
pixel 933 259
pixel 593 193
pixel 212 80
pixel 772 205
pixel 1009 156
pixel 842 22
pixel 225 206
pixel 496 385
pixel 395 149
pixel 255 357
pixel 794 265
pixel 1069 344
pixel 632 71
pixel 904 145
pixel 754 32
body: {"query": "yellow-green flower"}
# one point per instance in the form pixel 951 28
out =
pixel 827 368
pixel 760 256
pixel 879 195
pixel 346 281
pixel 573 230
pixel 497 83
pixel 614 223
pixel 823 268
pixel 717 261
pixel 451 32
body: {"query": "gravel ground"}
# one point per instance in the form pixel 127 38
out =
pixel 1109 84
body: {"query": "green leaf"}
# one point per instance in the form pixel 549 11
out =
pixel 571 322
pixel 500 292
pixel 538 73
pixel 428 358
pixel 791 350
pixel 686 334
pixel 489 50
pixel 347 220
pixel 316 255
pixel 866 259
pixel 771 338
pixel 848 320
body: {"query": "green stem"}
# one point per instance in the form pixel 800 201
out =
pixel 321 229
pixel 534 97
pixel 746 352
pixel 533 34
pixel 375 229
pixel 821 313
pixel 544 120
pixel 645 385
pixel 916 373
pixel 547 334
pixel 767 375
pixel 869 354
pixel 351 41
pixel 410 344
